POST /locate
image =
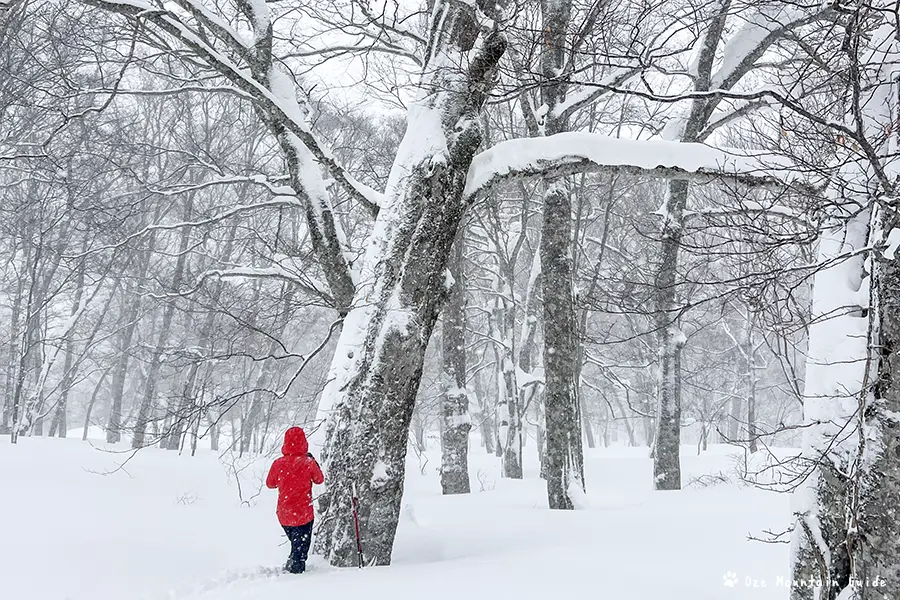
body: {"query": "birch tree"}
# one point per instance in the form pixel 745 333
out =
pixel 845 542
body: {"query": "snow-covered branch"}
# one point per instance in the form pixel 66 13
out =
pixel 238 273
pixel 217 25
pixel 277 190
pixel 586 94
pixel 212 89
pixel 356 50
pixel 581 152
pixel 724 117
pixel 242 78
pixel 751 41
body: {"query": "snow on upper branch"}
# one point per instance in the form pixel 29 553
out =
pixel 582 151
pixel 760 24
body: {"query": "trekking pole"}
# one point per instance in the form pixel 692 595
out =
pixel 359 550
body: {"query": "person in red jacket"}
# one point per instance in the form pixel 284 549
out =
pixel 294 475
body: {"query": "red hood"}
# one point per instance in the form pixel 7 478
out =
pixel 295 442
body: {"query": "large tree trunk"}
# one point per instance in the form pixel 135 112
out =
pixel 455 422
pixel 667 441
pixel 378 361
pixel 834 380
pixel 874 544
pixel 847 535
pixel 565 462
pixel 670 340
pixel 562 414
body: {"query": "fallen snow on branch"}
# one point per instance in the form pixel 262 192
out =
pixel 567 153
pixel 275 272
pixel 524 379
pixel 769 19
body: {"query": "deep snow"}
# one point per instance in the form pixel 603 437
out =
pixel 169 526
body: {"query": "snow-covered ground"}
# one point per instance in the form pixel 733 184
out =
pixel 79 522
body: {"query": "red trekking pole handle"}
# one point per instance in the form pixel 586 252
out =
pixel 359 550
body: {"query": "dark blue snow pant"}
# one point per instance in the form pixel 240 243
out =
pixel 300 537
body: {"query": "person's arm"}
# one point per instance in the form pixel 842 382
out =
pixel 316 471
pixel 272 478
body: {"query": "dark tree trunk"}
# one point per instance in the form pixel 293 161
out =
pixel 379 358
pixel 456 423
pixel 564 456
pixel 214 431
pixel 120 373
pixel 670 340
pixel 565 469
pixel 250 422
pixel 667 442
pixel 874 544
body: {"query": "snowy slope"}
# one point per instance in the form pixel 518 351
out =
pixel 165 526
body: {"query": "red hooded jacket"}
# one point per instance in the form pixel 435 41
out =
pixel 294 475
